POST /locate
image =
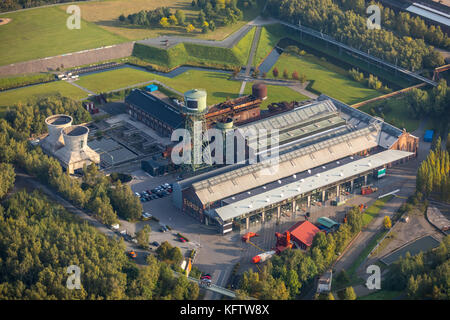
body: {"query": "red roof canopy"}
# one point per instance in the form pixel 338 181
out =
pixel 304 231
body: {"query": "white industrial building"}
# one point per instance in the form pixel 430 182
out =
pixel 68 143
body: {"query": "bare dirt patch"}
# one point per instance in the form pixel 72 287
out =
pixel 5 21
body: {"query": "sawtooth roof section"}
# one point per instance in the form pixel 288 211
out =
pixel 248 177
pixel 155 107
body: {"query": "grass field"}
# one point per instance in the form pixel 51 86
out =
pixel 277 94
pixel 216 84
pixel 270 35
pixel 194 54
pixel 394 111
pixel 42 32
pixel 11 97
pixel 371 212
pixel 325 78
pixel 105 14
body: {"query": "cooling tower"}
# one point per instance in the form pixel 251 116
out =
pixel 76 153
pixel 55 124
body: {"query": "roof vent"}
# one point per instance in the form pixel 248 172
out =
pixel 294 176
pixel 279 181
pixel 267 199
pixel 318 175
pixel 309 171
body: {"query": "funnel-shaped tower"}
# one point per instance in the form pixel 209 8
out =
pixel 76 153
pixel 55 124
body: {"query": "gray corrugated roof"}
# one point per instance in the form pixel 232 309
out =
pixel 309 184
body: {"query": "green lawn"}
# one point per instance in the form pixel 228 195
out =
pixel 325 78
pixel 216 84
pixel 242 48
pixel 194 54
pixel 270 35
pixel 11 97
pixel 277 94
pixel 394 111
pixel 371 212
pixel 42 32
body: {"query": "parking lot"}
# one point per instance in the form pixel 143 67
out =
pixel 218 254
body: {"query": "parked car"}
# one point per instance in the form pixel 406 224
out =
pixel 137 194
pixel 146 216
pixel 155 243
pixel 132 254
pixel 182 239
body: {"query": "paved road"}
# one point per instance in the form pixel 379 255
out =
pixel 228 42
pixel 250 58
pixel 406 182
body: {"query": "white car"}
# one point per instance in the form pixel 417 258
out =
pixel 146 216
pixel 137 194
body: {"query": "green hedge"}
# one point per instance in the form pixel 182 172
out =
pixel 20 81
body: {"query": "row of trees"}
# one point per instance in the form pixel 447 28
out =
pixel 295 75
pixel 39 240
pixel 10 5
pixel 423 276
pixel 283 276
pixel 161 16
pixel 433 174
pixel 371 82
pixel 351 28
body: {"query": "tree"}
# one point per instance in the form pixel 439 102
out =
pixel 295 75
pixel 275 72
pixel 7 177
pixel 212 25
pixel 122 18
pixel 180 17
pixel 190 27
pixel 302 78
pixel 164 22
pixel 349 294
pixel 143 236
pixel 173 20
pixel 285 74
pixel 387 222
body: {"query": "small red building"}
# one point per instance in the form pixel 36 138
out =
pixel 302 233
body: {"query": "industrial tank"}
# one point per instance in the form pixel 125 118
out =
pixel 195 101
pixel 75 138
pixel 259 91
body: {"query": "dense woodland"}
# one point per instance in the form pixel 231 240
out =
pixel 285 275
pixel 97 193
pixel 39 240
pixel 423 276
pixel 349 26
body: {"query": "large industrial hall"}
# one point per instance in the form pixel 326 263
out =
pixel 326 150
